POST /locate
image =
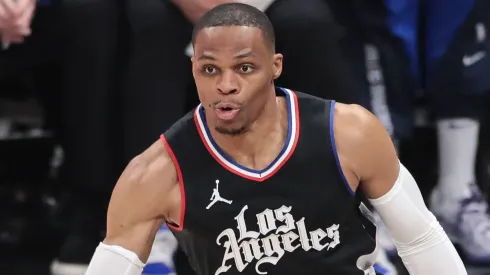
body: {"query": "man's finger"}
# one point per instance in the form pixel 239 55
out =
pixel 5 42
pixel 24 21
pixel 5 45
pixel 3 14
pixel 9 6
pixel 9 38
pixel 15 7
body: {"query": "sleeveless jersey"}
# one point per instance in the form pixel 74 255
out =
pixel 297 216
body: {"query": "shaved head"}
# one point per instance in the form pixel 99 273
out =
pixel 236 15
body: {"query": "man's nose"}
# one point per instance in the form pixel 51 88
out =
pixel 228 83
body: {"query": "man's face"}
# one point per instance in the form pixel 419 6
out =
pixel 233 68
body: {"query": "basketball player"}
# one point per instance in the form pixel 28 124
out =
pixel 289 166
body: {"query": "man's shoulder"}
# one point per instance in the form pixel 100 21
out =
pixel 143 191
pixel 360 139
pixel 155 163
pixel 155 156
pixel 353 123
pixel 352 114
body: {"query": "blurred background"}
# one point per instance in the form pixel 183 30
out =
pixel 85 85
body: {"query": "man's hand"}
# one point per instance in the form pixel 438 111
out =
pixel 194 9
pixel 15 20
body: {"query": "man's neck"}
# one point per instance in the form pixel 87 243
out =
pixel 268 131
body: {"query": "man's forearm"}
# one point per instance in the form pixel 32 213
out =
pixel 442 258
pixel 421 242
pixel 113 259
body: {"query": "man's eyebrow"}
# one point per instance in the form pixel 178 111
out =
pixel 212 57
pixel 248 53
pixel 207 56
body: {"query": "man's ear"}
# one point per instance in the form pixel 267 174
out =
pixel 277 66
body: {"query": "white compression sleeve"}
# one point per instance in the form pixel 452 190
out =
pixel 421 242
pixel 114 260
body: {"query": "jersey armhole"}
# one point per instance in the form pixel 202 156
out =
pixel 180 178
pixel 334 149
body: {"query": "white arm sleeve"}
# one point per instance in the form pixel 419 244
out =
pixel 114 260
pixel 421 242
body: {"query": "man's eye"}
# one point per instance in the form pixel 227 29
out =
pixel 209 70
pixel 245 69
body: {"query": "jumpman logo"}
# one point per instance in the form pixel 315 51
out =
pixel 216 197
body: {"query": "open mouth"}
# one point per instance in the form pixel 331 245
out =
pixel 226 111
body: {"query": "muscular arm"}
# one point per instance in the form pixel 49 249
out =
pixel 369 162
pixel 141 201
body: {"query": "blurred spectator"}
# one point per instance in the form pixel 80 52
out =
pixel 78 39
pixel 381 43
pixel 15 20
pixel 458 85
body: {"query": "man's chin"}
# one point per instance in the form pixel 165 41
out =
pixel 231 131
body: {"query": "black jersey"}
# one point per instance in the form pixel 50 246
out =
pixel 297 216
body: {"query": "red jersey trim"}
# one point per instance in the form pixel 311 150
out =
pixel 180 178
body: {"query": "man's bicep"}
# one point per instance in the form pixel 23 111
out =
pixel 366 153
pixel 390 187
pixel 138 205
pixel 129 234
pixel 378 161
